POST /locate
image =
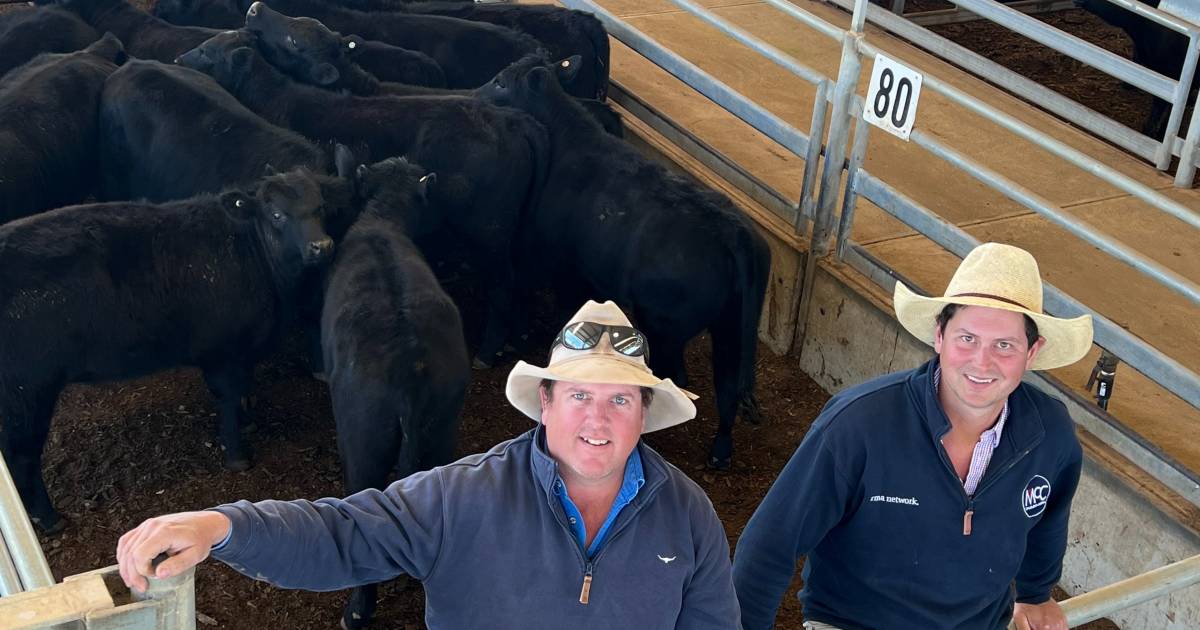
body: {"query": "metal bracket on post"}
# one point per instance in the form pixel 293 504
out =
pixel 1102 377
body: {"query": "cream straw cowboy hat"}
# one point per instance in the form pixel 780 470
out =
pixel 1007 278
pixel 617 356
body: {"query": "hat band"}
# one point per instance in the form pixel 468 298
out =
pixel 993 297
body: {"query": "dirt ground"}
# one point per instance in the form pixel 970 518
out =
pixel 123 452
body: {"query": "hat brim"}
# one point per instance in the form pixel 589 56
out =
pixel 671 405
pixel 1067 340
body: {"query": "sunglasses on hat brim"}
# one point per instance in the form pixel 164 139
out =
pixel 626 340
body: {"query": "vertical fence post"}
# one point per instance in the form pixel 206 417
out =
pixel 175 598
pixel 1187 157
pixel 18 535
pixel 1162 159
pixel 850 200
pixel 816 133
pixel 10 581
pixel 835 156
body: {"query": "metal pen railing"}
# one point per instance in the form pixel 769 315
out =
pixel 1107 600
pixel 1175 91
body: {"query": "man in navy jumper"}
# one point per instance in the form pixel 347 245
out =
pixel 575 524
pixel 921 498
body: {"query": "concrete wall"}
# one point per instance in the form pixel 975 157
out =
pixel 1116 531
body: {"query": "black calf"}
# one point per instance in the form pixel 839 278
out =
pixel 119 290
pixel 682 257
pixel 48 131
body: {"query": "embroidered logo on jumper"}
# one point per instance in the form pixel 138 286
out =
pixel 667 560
pixel 901 500
pixel 1035 496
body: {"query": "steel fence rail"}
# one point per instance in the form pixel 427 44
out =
pixel 768 51
pixel 1137 143
pixel 19 538
pixel 1045 208
pixel 718 92
pixel 1156 150
pixel 1060 149
pixel 1107 62
pixel 1167 372
pixel 1106 600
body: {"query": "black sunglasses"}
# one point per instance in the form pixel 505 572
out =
pixel 627 340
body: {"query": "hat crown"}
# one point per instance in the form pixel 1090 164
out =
pixel 999 271
pixel 607 313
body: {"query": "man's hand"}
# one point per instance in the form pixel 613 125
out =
pixel 1045 616
pixel 187 537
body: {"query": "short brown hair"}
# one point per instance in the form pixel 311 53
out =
pixel 947 313
pixel 547 385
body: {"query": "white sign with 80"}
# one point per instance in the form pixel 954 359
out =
pixel 892 97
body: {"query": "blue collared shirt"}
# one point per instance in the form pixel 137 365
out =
pixel 634 480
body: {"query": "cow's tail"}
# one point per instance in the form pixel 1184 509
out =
pixel 735 339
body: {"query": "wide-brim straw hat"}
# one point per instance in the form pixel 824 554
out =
pixel 602 365
pixel 1004 277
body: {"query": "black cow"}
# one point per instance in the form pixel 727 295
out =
pixel 491 161
pixel 225 14
pixel 684 258
pixel 1154 46
pixel 119 290
pixel 144 36
pixel 562 31
pixel 27 32
pixel 393 344
pixel 309 52
pixel 48 131
pixel 470 53
pixel 169 132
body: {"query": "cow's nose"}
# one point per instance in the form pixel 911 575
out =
pixel 321 247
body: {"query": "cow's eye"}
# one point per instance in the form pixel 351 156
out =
pixel 277 216
pixel 292 41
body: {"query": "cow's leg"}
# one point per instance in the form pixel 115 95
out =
pixel 666 352
pixel 229 384
pixel 725 385
pixel 369 440
pixel 499 314
pixel 26 411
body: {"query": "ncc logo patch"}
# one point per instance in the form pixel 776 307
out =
pixel 1035 496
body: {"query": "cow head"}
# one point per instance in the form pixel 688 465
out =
pixel 530 83
pixel 290 220
pixel 302 47
pixel 229 57
pixel 397 189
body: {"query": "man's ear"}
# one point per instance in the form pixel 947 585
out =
pixel 352 45
pixel 567 69
pixel 325 74
pixel 238 205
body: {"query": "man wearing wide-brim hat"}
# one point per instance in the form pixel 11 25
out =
pixel 574 524
pixel 936 497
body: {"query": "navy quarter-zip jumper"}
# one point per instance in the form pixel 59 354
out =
pixel 490 541
pixel 892 540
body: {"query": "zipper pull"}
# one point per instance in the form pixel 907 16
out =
pixel 967 521
pixel 587 587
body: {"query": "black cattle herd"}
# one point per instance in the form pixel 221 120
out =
pixel 257 171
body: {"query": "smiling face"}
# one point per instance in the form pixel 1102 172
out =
pixel 983 353
pixel 591 429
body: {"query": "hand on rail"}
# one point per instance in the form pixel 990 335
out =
pixel 186 537
pixel 1045 616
